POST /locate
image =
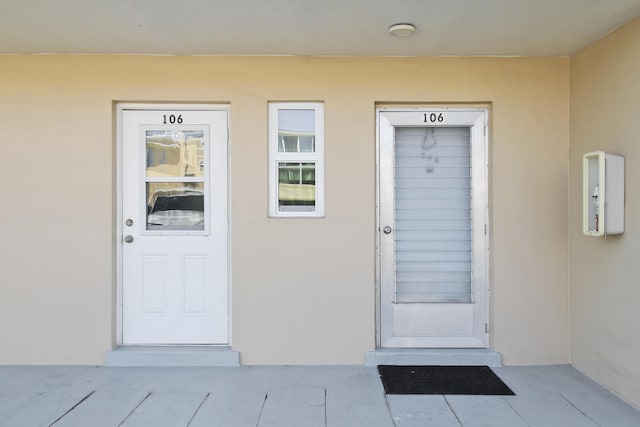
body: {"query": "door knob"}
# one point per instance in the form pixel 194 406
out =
pixel 386 230
pixel 128 238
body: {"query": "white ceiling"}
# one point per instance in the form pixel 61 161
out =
pixel 308 27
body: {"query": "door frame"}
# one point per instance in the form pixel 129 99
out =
pixel 431 108
pixel 120 107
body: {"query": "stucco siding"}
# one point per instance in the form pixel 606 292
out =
pixel 604 272
pixel 58 293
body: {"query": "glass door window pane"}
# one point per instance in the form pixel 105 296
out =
pixel 175 153
pixel 175 175
pixel 175 205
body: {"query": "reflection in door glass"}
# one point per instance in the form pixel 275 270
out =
pixel 175 153
pixel 175 206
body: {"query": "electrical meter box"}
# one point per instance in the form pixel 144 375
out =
pixel 602 194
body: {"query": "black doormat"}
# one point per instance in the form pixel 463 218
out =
pixel 478 380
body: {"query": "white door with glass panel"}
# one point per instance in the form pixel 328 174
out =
pixel 433 217
pixel 174 225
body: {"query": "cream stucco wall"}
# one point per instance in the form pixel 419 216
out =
pixel 604 285
pixel 58 172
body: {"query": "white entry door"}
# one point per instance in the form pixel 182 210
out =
pixel 174 224
pixel 433 225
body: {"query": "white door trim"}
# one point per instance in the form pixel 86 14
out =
pixel 481 205
pixel 120 108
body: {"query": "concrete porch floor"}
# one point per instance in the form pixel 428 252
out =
pixel 292 396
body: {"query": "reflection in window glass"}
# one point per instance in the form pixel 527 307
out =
pixel 296 159
pixel 175 153
pixel 297 187
pixel 296 131
pixel 175 206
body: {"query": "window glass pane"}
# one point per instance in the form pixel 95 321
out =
pixel 289 144
pixel 175 206
pixel 175 153
pixel 296 131
pixel 297 187
pixel 307 144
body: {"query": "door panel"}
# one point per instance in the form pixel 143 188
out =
pixel 195 289
pixel 432 183
pixel 174 213
pixel 154 284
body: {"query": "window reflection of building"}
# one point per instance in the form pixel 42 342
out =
pixel 297 184
pixel 296 140
pixel 174 155
pixel 296 181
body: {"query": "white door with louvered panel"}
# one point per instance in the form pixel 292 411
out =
pixel 433 225
pixel 173 250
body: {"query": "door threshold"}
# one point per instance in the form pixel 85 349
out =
pixel 434 356
pixel 172 356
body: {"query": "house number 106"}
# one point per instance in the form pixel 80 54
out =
pixel 173 119
pixel 433 118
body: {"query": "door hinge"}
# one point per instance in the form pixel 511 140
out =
pixel 486 328
pixel 485 229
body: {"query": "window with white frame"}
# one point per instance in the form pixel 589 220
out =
pixel 296 159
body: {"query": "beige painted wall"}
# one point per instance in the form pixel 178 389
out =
pixel 604 286
pixel 57 227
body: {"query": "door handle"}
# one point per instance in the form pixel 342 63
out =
pixel 386 230
pixel 128 238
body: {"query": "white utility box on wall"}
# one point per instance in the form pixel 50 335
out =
pixel 602 194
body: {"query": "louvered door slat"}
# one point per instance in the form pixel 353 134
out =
pixel 432 211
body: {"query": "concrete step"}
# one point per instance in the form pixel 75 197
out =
pixel 440 356
pixel 172 356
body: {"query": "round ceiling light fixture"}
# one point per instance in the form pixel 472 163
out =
pixel 402 30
